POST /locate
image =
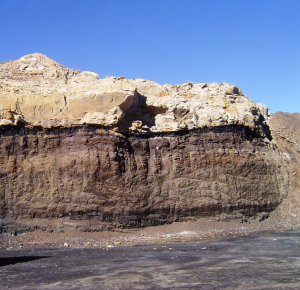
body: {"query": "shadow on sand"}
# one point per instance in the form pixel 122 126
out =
pixel 16 260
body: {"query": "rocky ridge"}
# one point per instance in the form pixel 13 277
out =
pixel 132 153
pixel 38 91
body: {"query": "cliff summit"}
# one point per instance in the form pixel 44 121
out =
pixel 37 91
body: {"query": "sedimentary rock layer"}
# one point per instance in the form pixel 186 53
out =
pixel 131 152
pixel 137 180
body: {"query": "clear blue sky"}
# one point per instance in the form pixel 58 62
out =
pixel 254 44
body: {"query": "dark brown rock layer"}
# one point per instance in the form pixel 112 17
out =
pixel 138 180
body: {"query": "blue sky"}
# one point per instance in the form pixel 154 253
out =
pixel 254 44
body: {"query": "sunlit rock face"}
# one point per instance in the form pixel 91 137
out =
pixel 37 91
pixel 131 152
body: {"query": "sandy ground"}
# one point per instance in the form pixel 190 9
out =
pixel 253 262
pixel 199 229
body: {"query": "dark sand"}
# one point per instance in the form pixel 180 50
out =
pixel 256 261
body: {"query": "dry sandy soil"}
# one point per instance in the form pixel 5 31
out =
pixel 206 229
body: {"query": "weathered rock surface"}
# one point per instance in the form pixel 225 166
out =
pixel 285 129
pixel 132 152
pixel 37 91
pixel 132 180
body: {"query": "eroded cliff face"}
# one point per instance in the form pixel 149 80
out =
pixel 285 129
pixel 138 180
pixel 131 152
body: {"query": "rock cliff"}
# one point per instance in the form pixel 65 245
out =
pixel 131 152
pixel 37 91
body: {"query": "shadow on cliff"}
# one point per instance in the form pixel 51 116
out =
pixel 262 128
pixel 135 108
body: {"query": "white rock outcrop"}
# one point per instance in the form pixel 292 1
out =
pixel 37 91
